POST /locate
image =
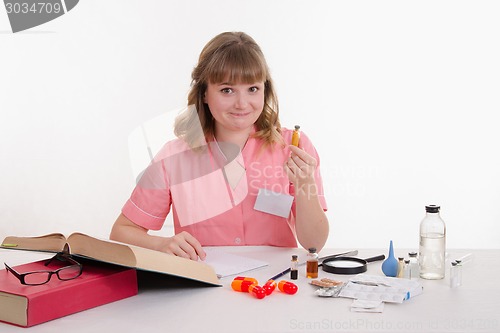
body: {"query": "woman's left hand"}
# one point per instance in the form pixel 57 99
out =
pixel 300 166
pixel 311 223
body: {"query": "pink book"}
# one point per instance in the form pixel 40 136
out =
pixel 98 284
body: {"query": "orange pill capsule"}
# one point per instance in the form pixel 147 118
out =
pixel 287 287
pixel 269 287
pixel 257 291
pixel 241 283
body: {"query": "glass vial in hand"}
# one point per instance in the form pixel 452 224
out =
pixel 296 136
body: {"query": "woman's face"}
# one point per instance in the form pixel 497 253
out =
pixel 235 106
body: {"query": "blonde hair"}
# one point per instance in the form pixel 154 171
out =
pixel 233 57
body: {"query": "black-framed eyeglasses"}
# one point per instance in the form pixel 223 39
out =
pixel 37 278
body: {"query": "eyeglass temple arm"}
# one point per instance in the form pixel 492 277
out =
pixel 63 255
pixel 58 255
pixel 10 269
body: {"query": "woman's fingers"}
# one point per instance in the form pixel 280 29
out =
pixel 186 246
pixel 300 165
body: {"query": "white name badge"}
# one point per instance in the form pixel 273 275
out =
pixel 273 203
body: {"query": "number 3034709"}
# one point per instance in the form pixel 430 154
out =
pixel 35 8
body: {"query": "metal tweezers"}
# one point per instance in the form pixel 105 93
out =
pixel 369 283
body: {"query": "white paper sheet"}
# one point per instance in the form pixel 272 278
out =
pixel 273 203
pixel 227 264
pixel 359 305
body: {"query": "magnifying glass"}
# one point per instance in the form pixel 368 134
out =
pixel 348 265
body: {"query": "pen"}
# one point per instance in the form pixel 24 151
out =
pixel 280 274
pixel 348 253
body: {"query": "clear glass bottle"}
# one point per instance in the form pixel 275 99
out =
pixel 294 273
pixel 401 267
pixel 312 264
pixel 432 244
pixel 414 267
pixel 407 269
pixel 456 274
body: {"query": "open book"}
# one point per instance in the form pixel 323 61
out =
pixel 81 245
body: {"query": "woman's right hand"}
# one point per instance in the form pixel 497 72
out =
pixel 183 245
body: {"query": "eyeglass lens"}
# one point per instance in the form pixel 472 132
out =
pixel 65 273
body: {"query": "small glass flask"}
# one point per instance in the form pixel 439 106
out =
pixel 407 269
pixel 294 273
pixel 414 267
pixel 455 274
pixel 401 267
pixel 312 264
pixel 296 136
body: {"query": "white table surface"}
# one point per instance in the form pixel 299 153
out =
pixel 176 306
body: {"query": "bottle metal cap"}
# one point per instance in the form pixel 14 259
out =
pixel 432 209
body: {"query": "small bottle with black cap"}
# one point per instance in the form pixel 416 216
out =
pixel 414 268
pixel 294 273
pixel 407 269
pixel 312 264
pixel 456 274
pixel 401 267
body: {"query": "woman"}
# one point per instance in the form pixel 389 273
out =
pixel 231 177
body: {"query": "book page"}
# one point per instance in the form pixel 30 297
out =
pixel 118 253
pixel 140 258
pixel 227 264
pixel 156 261
pixel 104 250
pixel 13 308
pixel 50 243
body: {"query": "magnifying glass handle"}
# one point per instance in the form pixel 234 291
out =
pixel 345 254
pixel 377 258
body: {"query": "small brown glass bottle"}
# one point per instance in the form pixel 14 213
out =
pixel 294 273
pixel 312 264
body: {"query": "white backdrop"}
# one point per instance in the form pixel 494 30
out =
pixel 401 99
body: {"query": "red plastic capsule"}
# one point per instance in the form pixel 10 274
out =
pixel 257 291
pixel 241 283
pixel 269 287
pixel 287 287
